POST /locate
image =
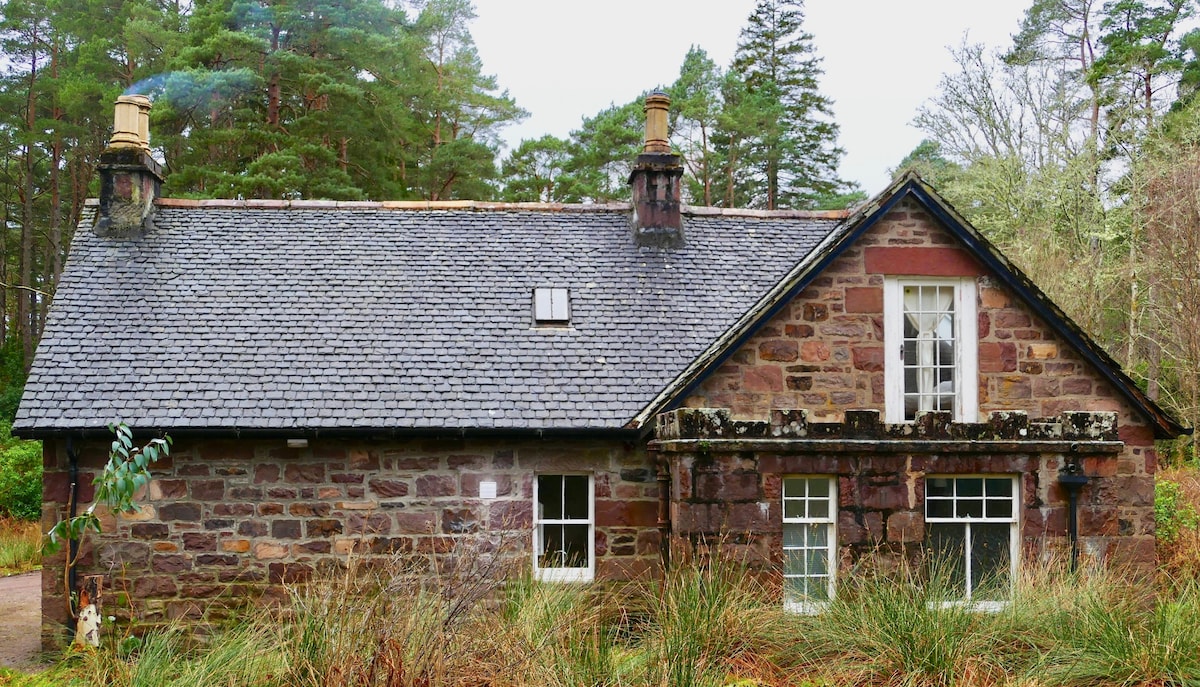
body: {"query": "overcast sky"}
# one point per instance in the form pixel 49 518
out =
pixel 563 60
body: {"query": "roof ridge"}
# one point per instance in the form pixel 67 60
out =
pixel 478 206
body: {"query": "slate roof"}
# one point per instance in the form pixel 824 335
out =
pixel 243 316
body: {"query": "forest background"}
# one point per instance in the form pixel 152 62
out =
pixel 1076 148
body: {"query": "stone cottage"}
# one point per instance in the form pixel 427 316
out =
pixel 378 377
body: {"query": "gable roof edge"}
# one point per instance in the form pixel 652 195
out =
pixel 792 283
pixel 845 234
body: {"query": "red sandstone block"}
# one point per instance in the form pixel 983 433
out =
pixel 192 470
pixel 1010 319
pixel 373 523
pixel 388 488
pixel 436 485
pixel 511 515
pixel 767 378
pixel 782 350
pixel 289 573
pixel 626 513
pixel 997 357
pixel 868 358
pixel 1014 387
pixel 208 489
pixel 813 351
pixel 415 523
pixel 304 473
pixel 887 498
pixel 864 300
pixel 316 509
pixel 361 459
pixel 815 312
pixel 921 261
pixel 906 527
pixel 1135 435
pixel 1045 387
pixel 266 472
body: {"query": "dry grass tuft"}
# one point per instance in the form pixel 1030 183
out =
pixel 20 546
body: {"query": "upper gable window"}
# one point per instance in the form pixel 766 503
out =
pixel 930 340
pixel 551 306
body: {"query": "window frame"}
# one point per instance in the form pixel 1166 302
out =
pixel 966 349
pixel 577 574
pixel 830 521
pixel 551 306
pixel 1014 532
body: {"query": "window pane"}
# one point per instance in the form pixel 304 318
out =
pixel 794 562
pixel 819 487
pixel 990 560
pixel 818 508
pixel 817 561
pixel 550 506
pixel 947 556
pixel 939 508
pixel 793 508
pixel 818 535
pixel 939 486
pixel 793 487
pixel 818 588
pixel 575 505
pixel 564 546
pixel 999 487
pixel 795 588
pixel 969 486
pixel 969 508
pixel 793 536
pixel 999 508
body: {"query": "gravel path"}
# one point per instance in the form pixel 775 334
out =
pixel 21 610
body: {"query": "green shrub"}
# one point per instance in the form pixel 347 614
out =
pixel 1172 513
pixel 20 476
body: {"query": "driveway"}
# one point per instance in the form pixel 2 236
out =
pixel 21 609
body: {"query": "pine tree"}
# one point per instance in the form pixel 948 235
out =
pixel 793 158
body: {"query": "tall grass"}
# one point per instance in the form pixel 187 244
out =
pixel 20 546
pixel 480 621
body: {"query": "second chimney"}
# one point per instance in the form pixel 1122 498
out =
pixel 655 181
pixel 129 178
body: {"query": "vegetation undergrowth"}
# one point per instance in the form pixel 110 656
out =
pixel 705 623
pixel 20 546
pixel 476 617
pixel 20 476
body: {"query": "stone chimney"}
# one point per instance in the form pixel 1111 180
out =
pixel 656 180
pixel 129 178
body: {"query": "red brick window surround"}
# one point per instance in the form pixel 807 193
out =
pixel 809 541
pixel 930 347
pixel 972 534
pixel 564 532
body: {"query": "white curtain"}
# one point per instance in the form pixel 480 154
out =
pixel 925 307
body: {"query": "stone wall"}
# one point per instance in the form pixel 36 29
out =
pixel 727 477
pixel 226 520
pixel 824 352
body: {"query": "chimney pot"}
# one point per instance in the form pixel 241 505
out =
pixel 143 105
pixel 126 124
pixel 656 108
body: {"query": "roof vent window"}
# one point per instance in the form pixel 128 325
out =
pixel 551 306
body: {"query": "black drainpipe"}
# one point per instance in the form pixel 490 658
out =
pixel 72 543
pixel 1072 479
pixel 663 477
